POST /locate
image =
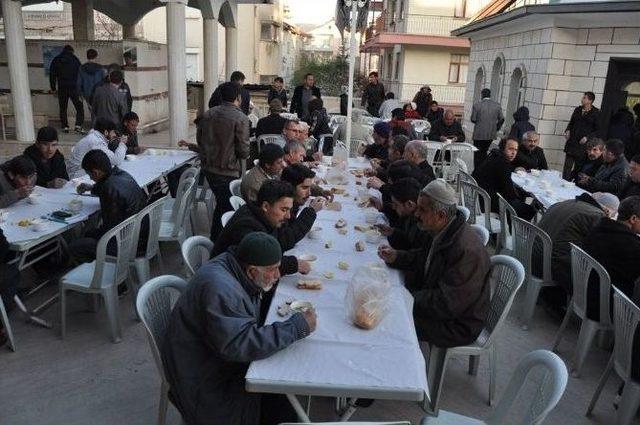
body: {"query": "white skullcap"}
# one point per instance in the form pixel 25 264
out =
pixel 441 191
pixel 607 200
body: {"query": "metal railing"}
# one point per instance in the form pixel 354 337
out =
pixel 445 94
pixel 415 24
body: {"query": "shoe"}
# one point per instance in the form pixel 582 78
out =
pixel 79 130
pixel 66 129
pixel 123 290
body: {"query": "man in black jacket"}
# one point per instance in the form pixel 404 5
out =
pixel 448 128
pixel 277 91
pixel 302 95
pixel 416 153
pixel 612 174
pixel 584 124
pixel 270 214
pixel 238 78
pixel 530 154
pixel 595 148
pixel 300 177
pixel 272 123
pixel 63 78
pixel 373 94
pixel 120 198
pixel 631 186
pixel 49 162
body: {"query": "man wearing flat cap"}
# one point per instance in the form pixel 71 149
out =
pixel 451 292
pixel 214 334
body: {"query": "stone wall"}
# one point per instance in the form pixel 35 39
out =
pixel 559 65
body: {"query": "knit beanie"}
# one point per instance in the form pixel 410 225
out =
pixel 382 128
pixel 259 249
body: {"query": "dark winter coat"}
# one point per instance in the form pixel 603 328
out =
pixel 423 102
pixel 245 99
pixel 320 123
pixel 582 125
pixel 64 71
pixel 372 98
pixel 271 124
pixel 280 95
pixel 296 99
pixel 91 75
pixel 610 177
pixel 47 169
pixel 434 116
pixel 440 129
pixel 630 188
pixel 494 176
pixel 407 235
pixel 590 168
pixel 521 124
pixel 530 159
pixel 621 127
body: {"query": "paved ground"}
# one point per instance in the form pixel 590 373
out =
pixel 86 379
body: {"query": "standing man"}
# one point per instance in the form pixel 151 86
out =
pixel 487 117
pixel 582 126
pixel 302 95
pixel 277 91
pixel 109 103
pixel 63 78
pixel 92 74
pixel 237 78
pixel 423 100
pixel 223 140
pixel 373 94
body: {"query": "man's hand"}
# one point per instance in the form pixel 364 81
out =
pixel 317 204
pixel 369 172
pixel 183 144
pixel 520 169
pixel 83 187
pixel 374 182
pixel 388 254
pixel 24 191
pixel 328 195
pixel 57 183
pixel 317 156
pixel 443 139
pixel 384 229
pixel 303 267
pixel 583 179
pixel 142 149
pixel 311 318
pixel 583 140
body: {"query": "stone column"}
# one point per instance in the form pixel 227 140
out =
pixel 177 61
pixel 231 50
pixel 128 32
pixel 210 36
pixel 18 70
pixel 82 17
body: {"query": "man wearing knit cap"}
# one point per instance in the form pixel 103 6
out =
pixel 214 333
pixel 382 139
pixel 451 293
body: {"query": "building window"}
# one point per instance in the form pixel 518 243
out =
pixel 268 31
pixel 192 70
pixel 401 11
pixel 397 70
pixel 458 68
pixel 460 10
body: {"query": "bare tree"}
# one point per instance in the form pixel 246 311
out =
pixel 106 28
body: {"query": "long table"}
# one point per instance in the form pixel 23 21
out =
pixel 548 187
pixel 339 359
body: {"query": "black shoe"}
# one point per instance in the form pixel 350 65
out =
pixel 123 290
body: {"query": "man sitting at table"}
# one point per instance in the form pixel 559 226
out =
pixel 568 222
pixel 530 155
pixel 270 165
pixel 447 128
pixel 398 120
pixel 301 178
pixel 49 162
pixel 590 167
pixel 17 178
pixel 120 198
pixel 103 132
pixel 494 176
pixel 612 174
pixel 215 332
pixel 270 214
pixel 397 170
pixel 272 123
pixel 396 152
pixel 416 152
pixel 294 153
pixel 451 292
pixel 130 123
pixel 379 149
pixel 631 186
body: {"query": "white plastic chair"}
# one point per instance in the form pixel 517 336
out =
pixel 154 303
pixel 506 213
pixel 142 264
pixel 205 196
pixel 103 275
pixel 463 151
pixel 421 127
pixel 525 236
pixel 322 139
pixel 471 194
pixel 626 319
pixel 4 319
pixel 582 264
pixel 432 149
pixel 462 166
pixel 482 232
pixel 196 251
pixel 226 217
pixel 466 177
pixel 264 139
pixel 234 187
pixel 236 202
pixel 170 203
pixel 175 229
pixel 506 277
pixel 549 391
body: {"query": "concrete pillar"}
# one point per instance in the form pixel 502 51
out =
pixel 210 36
pixel 82 17
pixel 18 70
pixel 177 60
pixel 128 32
pixel 231 50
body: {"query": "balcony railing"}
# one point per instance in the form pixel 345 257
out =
pixel 444 94
pixel 415 24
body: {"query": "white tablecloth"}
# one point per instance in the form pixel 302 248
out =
pixel 548 188
pixel 339 359
pixel 148 167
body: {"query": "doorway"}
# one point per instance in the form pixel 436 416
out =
pixel 516 94
pixel 622 88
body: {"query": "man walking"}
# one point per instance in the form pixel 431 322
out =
pixel 302 95
pixel 487 117
pixel 237 78
pixel 63 78
pixel 223 141
pixel 584 124
pixel 91 75
pixel 373 94
pixel 109 103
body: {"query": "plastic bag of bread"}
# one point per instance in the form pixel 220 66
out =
pixel 367 297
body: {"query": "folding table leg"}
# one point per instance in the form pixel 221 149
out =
pixel 295 403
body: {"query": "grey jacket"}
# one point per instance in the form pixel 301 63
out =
pixel 223 137
pixel 609 177
pixel 109 103
pixel 8 193
pixel 213 335
pixel 487 117
pixel 251 183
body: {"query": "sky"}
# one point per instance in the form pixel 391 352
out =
pixel 311 11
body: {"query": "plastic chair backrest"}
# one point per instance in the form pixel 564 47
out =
pixel 462 166
pixel 506 277
pixel 226 217
pixel 289 115
pixel 154 212
pixel 582 264
pixel 432 149
pixel 184 201
pixel 154 304
pixel 234 187
pixel 548 392
pixel 482 232
pixel 353 148
pixel 626 319
pixel 464 176
pixel 505 213
pixel 471 195
pixel 271 138
pixel 191 172
pixel 123 235
pixel 236 202
pixel 196 250
pixel 421 125
pixel 524 237
pixel 463 151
